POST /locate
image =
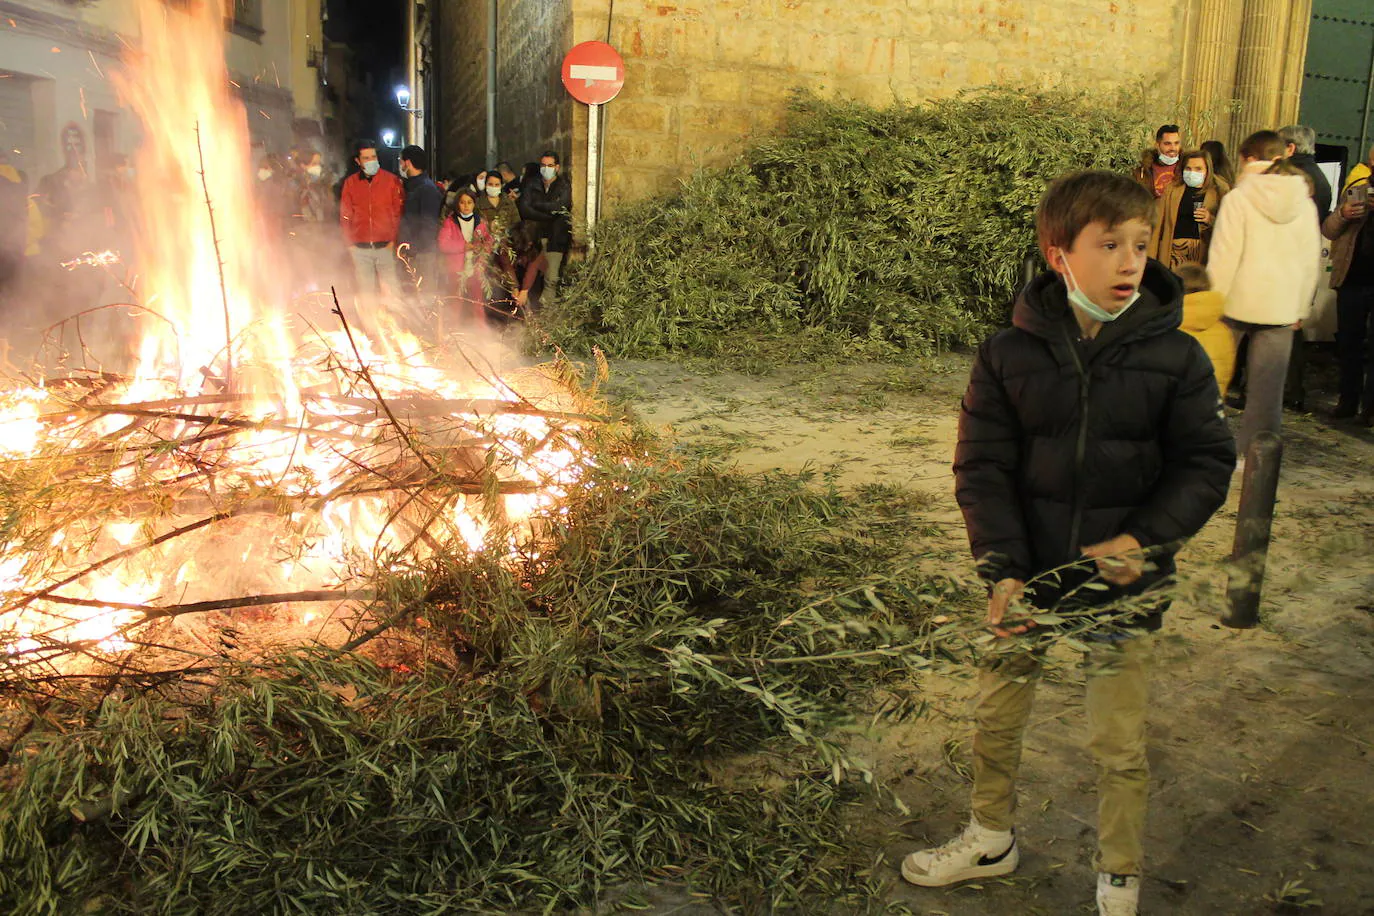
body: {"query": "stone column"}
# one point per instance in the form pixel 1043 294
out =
pixel 1295 60
pixel 1212 81
pixel 1261 68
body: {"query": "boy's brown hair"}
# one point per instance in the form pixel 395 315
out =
pixel 1075 201
pixel 1194 277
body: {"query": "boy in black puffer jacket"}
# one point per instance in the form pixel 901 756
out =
pixel 1091 445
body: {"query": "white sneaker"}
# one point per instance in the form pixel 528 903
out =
pixel 976 853
pixel 1118 895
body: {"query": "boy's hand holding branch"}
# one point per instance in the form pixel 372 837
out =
pixel 1120 561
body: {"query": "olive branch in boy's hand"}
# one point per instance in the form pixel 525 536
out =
pixel 1120 560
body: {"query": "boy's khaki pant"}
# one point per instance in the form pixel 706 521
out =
pixel 1116 699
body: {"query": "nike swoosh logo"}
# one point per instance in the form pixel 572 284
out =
pixel 993 860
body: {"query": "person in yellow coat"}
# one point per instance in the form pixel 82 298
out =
pixel 1202 310
pixel 1360 172
pixel 21 226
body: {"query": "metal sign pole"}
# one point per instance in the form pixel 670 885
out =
pixel 593 167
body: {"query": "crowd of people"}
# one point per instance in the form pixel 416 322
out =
pixel 486 246
pixel 1252 233
pixel 475 248
pixel 64 215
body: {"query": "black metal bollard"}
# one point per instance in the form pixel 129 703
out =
pixel 1258 488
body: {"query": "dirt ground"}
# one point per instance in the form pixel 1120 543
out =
pixel 1262 741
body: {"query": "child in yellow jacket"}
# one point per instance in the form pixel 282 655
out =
pixel 1202 310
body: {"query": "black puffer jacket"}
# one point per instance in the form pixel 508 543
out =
pixel 1066 443
pixel 549 210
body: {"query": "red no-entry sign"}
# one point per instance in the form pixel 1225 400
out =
pixel 593 72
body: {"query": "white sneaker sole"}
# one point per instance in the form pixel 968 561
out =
pixel 1003 866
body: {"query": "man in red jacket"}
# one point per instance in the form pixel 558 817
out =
pixel 370 213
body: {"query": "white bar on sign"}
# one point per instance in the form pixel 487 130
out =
pixel 592 74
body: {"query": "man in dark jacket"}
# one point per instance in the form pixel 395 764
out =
pixel 1351 232
pixel 1091 445
pixel 1301 145
pixel 546 203
pixel 419 230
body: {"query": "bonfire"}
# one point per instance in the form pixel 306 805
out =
pixel 254 493
pixel 208 450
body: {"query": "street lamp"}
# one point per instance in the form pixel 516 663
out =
pixel 389 138
pixel 403 97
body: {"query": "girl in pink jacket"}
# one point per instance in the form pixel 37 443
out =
pixel 466 244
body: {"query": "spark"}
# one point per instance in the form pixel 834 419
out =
pixel 95 63
pixel 264 114
pixel 55 49
pixel 93 259
pixel 81 91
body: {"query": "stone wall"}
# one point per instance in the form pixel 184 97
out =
pixel 704 77
pixel 459 53
pixel 533 113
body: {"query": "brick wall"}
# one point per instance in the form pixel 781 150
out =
pixel 704 77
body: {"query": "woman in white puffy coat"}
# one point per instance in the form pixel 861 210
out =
pixel 1264 261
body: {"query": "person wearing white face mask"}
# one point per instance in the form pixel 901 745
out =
pixel 546 202
pixel 1187 212
pixel 1264 261
pixel 312 190
pixel 1090 448
pixel 498 208
pixel 466 243
pixel 370 215
pixel 1159 166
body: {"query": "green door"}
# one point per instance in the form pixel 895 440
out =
pixel 1336 84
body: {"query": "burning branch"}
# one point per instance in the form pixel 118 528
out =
pixel 366 375
pixel 219 263
pixel 177 473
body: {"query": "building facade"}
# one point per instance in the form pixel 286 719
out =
pixel 703 78
pixel 59 107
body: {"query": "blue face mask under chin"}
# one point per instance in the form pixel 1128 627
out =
pixel 1081 301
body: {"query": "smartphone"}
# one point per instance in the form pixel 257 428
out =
pixel 1358 194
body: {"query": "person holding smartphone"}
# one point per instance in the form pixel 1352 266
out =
pixel 1352 277
pixel 1186 213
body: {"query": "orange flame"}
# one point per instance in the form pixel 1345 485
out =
pixel 202 252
